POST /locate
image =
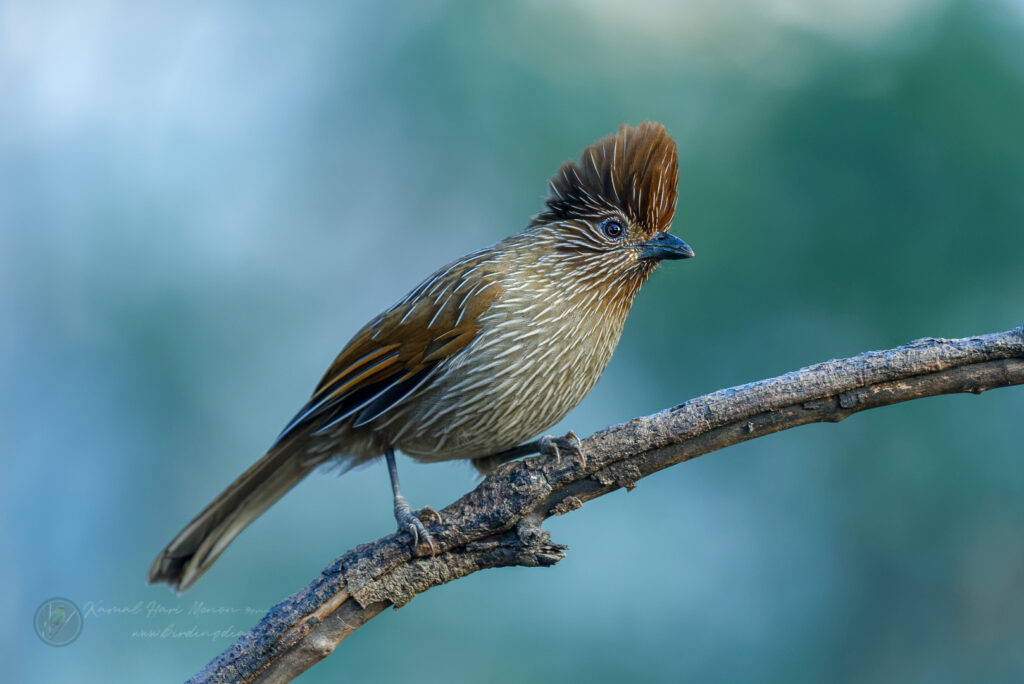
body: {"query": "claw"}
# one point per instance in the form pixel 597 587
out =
pixel 576 444
pixel 428 512
pixel 550 445
pixel 411 521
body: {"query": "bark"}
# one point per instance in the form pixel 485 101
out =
pixel 498 524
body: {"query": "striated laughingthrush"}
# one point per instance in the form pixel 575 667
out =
pixel 487 352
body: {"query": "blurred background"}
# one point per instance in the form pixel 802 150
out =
pixel 201 202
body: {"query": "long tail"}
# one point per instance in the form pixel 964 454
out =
pixel 196 547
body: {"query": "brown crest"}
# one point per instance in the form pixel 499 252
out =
pixel 634 171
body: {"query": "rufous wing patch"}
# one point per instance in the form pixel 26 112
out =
pixel 395 355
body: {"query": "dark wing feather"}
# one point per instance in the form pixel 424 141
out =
pixel 396 354
pixel 392 395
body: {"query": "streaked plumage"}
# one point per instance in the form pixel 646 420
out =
pixel 487 352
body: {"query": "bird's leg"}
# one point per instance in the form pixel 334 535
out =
pixel 546 445
pixel 408 519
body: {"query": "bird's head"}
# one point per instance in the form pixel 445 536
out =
pixel 609 213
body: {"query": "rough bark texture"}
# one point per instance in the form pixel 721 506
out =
pixel 499 523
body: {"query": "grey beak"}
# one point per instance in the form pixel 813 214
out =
pixel 665 246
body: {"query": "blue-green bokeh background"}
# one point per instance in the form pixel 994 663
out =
pixel 200 202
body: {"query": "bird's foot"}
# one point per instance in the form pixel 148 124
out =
pixel 555 446
pixel 412 522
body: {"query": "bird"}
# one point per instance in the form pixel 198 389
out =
pixel 58 616
pixel 482 356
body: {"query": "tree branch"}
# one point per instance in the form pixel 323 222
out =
pixel 498 523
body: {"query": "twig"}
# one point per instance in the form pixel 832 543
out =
pixel 499 523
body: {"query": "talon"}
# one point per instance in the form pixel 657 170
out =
pixel 577 444
pixel 428 512
pixel 550 446
pixel 410 521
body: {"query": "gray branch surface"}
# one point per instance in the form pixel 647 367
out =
pixel 498 524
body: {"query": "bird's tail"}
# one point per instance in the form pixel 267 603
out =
pixel 196 547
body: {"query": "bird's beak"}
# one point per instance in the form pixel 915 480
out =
pixel 664 246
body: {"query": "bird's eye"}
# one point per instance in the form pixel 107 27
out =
pixel 612 229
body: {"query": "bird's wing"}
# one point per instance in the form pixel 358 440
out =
pixel 397 353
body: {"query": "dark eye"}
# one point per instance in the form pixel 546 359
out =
pixel 612 229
